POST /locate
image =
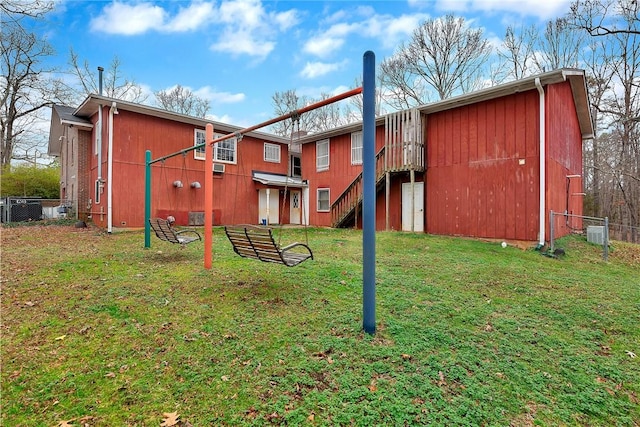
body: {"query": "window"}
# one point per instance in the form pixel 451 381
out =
pixel 356 148
pixel 322 155
pixel 271 153
pixel 296 166
pixel 323 200
pixel 223 151
pixel 199 138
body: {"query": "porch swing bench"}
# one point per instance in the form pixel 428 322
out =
pixel 255 242
pixel 166 232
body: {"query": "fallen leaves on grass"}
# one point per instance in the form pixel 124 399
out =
pixel 170 419
pixel 441 381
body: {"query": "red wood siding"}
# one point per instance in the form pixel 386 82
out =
pixel 339 175
pixel 564 157
pixel 235 192
pixel 482 169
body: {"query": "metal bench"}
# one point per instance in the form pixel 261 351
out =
pixel 257 242
pixel 166 232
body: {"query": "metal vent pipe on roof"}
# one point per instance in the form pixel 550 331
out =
pixel 100 70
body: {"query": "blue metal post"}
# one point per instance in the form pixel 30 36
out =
pixel 369 193
pixel 147 199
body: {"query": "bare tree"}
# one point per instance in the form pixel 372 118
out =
pixel 313 121
pixel 526 51
pixel 517 52
pixel 25 88
pixel 615 155
pixel 12 10
pixel 444 55
pixel 599 84
pixel 115 85
pixel 182 100
pixel 559 46
pixel 605 17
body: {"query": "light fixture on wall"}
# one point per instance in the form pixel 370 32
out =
pixel 177 184
pixel 195 184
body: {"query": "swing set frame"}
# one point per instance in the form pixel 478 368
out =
pixel 368 173
pixel 208 171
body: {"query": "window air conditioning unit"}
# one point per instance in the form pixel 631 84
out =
pixel 595 234
pixel 218 168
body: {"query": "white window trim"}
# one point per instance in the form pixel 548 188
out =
pixel 328 190
pixel 274 148
pixel 196 154
pixel 354 159
pixel 235 151
pixel 201 155
pixel 318 166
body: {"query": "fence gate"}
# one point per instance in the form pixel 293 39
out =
pixel 17 209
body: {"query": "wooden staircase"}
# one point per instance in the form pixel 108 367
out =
pixel 344 209
pixel 403 151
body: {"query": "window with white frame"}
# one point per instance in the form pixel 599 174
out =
pixel 322 155
pixel 356 148
pixel 199 138
pixel 223 151
pixel 323 200
pixel 271 153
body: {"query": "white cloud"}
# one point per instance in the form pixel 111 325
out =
pixel 126 19
pixel 317 69
pixel 387 29
pixel 323 45
pixel 543 10
pixel 190 18
pixel 221 119
pixel 390 30
pixel 249 29
pixel 236 43
pixel 207 92
pixel 212 95
pixel 241 26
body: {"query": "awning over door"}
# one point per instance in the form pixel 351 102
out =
pixel 276 180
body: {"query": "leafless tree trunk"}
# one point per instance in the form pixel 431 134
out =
pixel 24 86
pixel 599 83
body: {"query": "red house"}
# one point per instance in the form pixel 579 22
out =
pixel 102 145
pixel 489 164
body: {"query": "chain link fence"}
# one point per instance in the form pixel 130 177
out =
pixel 20 209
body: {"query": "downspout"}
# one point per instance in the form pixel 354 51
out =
pixel 99 137
pixel 99 144
pixel 113 110
pixel 543 167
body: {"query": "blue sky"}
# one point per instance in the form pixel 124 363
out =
pixel 238 53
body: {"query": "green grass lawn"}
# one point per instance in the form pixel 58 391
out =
pixel 98 331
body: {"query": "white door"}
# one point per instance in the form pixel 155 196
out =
pixel 413 207
pixel 268 201
pixel 295 206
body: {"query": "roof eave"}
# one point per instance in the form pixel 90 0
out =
pixel 91 104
